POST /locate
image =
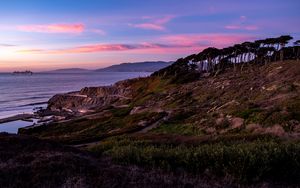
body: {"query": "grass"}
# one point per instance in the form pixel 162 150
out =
pixel 89 130
pixel 248 113
pixel 294 108
pixel 120 112
pixel 177 125
pixel 180 129
pixel 247 162
pixel 268 117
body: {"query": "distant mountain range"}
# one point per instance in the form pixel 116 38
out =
pixel 71 70
pixel 148 66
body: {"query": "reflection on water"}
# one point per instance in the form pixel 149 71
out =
pixel 12 127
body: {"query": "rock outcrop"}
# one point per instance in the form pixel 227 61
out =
pixel 92 97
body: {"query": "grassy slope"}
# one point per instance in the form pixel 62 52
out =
pixel 266 96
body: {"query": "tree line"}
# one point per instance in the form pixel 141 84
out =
pixel 214 60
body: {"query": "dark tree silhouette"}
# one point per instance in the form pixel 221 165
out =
pixel 215 60
pixel 284 40
pixel 297 49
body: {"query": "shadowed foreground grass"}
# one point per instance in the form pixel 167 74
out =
pixel 30 162
pixel 247 162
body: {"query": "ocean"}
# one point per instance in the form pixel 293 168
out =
pixel 22 93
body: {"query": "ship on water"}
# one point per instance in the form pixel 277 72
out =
pixel 27 72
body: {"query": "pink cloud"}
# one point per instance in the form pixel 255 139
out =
pixel 189 43
pixel 251 27
pixel 53 28
pixel 242 24
pixel 149 26
pixel 94 48
pixel 206 40
pixel 153 24
pixel 242 27
pixel 232 27
pixel 243 18
pixel 98 31
pixel 97 48
pixel 31 51
pixel 164 20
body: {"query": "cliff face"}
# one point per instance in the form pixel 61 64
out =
pixel 89 98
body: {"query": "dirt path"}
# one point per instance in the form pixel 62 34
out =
pixel 153 125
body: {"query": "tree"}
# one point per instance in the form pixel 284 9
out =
pixel 297 47
pixel 263 54
pixel 199 60
pixel 210 55
pixel 247 47
pixel 215 60
pixel 284 40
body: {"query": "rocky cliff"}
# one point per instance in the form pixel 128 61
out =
pixel 89 98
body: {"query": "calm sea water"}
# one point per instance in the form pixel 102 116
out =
pixel 21 93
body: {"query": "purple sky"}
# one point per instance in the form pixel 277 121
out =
pixel 51 34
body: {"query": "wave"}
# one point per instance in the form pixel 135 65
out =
pixel 33 104
pixel 24 99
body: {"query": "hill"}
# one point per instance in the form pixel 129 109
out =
pixel 150 66
pixel 215 114
pixel 236 116
pixel 70 70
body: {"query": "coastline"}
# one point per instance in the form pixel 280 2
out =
pixel 17 98
pixel 22 117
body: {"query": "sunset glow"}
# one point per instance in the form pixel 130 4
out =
pixel 42 35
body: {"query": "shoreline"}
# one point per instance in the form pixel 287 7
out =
pixel 22 117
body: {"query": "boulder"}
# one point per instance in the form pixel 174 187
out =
pixel 236 122
pixel 275 130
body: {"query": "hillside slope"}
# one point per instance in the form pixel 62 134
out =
pixel 262 99
pixel 243 125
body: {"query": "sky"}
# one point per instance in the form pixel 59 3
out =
pixel 51 34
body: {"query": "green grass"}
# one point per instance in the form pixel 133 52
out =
pixel 294 108
pixel 248 113
pixel 180 129
pixel 246 161
pixel 267 117
pixel 120 112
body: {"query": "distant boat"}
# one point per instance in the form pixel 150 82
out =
pixel 23 72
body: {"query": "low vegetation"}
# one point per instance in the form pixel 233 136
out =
pixel 29 162
pixel 113 122
pixel 247 162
